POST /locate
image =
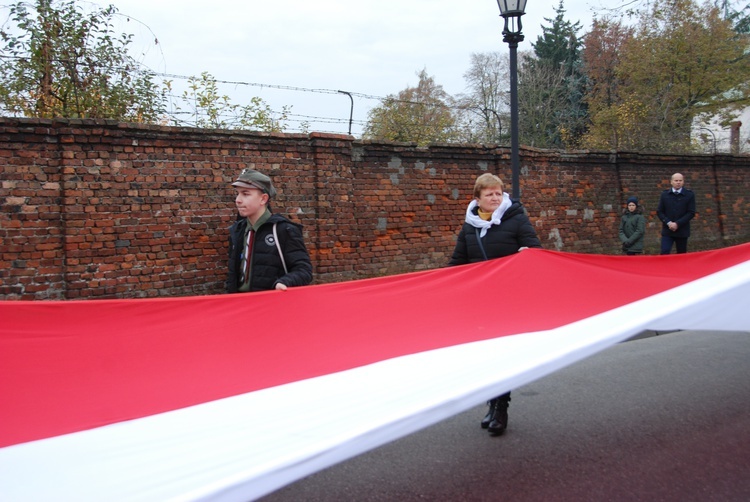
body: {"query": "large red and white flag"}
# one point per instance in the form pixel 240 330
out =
pixel 231 397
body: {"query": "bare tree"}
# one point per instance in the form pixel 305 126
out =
pixel 484 109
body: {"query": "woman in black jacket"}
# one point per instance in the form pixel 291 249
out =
pixel 495 226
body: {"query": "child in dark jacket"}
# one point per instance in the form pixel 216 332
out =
pixel 266 250
pixel 632 228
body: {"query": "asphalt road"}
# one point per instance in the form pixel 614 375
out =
pixel 662 418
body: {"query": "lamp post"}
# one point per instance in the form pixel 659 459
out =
pixel 351 110
pixel 511 11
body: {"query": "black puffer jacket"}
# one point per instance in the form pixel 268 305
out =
pixel 266 267
pixel 515 231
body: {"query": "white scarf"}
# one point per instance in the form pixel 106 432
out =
pixel 475 221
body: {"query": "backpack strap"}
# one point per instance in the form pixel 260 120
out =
pixel 278 246
pixel 481 246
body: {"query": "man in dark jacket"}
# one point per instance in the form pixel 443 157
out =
pixel 266 250
pixel 676 209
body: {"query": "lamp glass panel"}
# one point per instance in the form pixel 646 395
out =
pixel 511 7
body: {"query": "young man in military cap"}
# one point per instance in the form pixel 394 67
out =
pixel 266 250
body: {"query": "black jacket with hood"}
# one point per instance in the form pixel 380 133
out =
pixel 266 268
pixel 515 231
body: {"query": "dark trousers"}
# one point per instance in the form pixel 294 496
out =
pixel 679 242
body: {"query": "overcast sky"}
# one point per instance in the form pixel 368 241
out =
pixel 370 47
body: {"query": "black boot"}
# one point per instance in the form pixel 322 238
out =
pixel 488 417
pixel 499 420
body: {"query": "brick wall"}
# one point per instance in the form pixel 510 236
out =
pixel 99 209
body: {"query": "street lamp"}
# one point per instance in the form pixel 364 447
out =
pixel 351 110
pixel 511 11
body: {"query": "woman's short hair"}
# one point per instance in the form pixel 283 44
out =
pixel 484 181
